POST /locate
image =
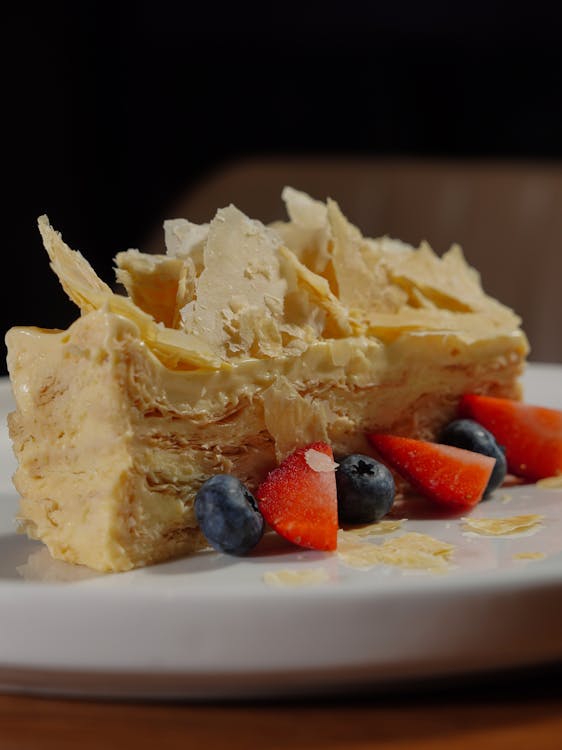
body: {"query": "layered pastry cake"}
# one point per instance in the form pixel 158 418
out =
pixel 240 343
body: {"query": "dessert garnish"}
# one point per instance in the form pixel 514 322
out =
pixel 365 488
pixel 228 515
pixel 448 475
pixel 531 435
pixel 300 502
pixel 468 434
pixel 309 494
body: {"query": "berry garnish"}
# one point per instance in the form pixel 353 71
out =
pixel 468 434
pixel 448 475
pixel 228 515
pixel 298 499
pixel 365 489
pixel 531 435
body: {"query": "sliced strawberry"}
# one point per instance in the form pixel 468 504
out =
pixel 448 475
pixel 531 435
pixel 298 499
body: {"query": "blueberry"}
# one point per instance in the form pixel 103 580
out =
pixel 468 434
pixel 228 515
pixel 365 489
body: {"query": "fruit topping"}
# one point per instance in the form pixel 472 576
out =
pixel 298 498
pixel 228 515
pixel 531 435
pixel 470 435
pixel 365 489
pixel 446 474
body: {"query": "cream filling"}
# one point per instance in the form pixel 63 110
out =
pixel 354 362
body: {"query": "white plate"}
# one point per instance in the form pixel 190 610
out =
pixel 209 625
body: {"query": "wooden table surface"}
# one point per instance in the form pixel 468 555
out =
pixel 519 710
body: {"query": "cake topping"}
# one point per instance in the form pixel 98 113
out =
pixel 238 301
pixel 157 284
pixel 234 289
pixel 184 239
pixel 175 349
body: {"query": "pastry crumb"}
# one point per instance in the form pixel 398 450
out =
pixel 376 529
pixel 550 483
pixel 529 556
pixel 319 461
pixel 294 578
pixel 503 526
pixel 409 551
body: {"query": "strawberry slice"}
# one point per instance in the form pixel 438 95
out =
pixel 531 435
pixel 298 499
pixel 443 473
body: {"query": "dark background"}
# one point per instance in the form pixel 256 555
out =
pixel 112 110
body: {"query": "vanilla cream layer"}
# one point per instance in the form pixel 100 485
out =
pixel 112 445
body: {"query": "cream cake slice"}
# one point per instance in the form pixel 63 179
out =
pixel 240 343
